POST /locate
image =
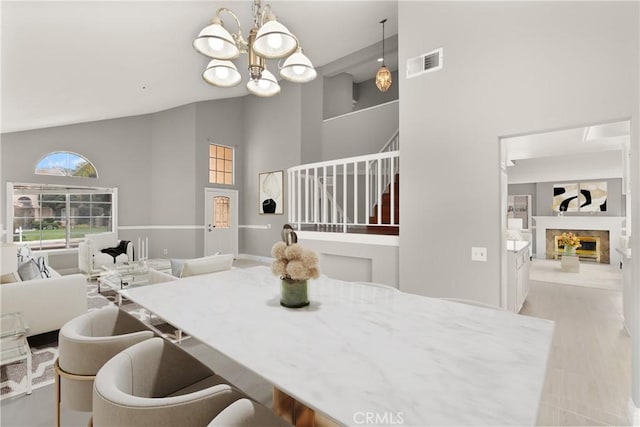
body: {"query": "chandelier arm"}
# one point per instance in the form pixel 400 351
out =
pixel 240 41
pixel 267 7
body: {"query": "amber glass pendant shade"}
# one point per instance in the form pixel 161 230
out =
pixel 383 79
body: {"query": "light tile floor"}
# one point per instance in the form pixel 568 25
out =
pixel 589 370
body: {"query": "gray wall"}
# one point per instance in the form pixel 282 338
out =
pixel 496 81
pixel 219 122
pixel 359 133
pixel 159 162
pixel 338 95
pixel 272 142
pixel 366 93
pixel 172 186
pixel 119 149
pixel 311 116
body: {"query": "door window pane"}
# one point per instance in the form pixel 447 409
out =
pixel 221 212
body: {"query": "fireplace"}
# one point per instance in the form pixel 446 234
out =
pixel 611 227
pixel 594 245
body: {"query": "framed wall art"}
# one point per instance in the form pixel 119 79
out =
pixel 271 193
pixel 580 197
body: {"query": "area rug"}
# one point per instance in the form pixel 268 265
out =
pixel 44 347
pixel 592 275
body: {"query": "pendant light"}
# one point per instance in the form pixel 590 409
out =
pixel 383 76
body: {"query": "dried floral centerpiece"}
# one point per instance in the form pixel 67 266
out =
pixel 295 265
pixel 570 242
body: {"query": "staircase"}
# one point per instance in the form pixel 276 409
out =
pixel 353 195
pixel 388 215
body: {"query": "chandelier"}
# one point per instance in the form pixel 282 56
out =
pixel 383 76
pixel 268 39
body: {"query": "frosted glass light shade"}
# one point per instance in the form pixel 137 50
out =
pixel 274 40
pixel 267 85
pixel 298 68
pixel 383 79
pixel 221 73
pixel 216 42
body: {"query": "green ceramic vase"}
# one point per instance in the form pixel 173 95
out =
pixel 293 293
pixel 569 250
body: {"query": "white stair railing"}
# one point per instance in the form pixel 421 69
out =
pixel 393 144
pixel 313 201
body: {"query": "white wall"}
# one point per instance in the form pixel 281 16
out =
pixel 510 68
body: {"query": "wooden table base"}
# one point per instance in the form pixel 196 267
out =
pixel 295 412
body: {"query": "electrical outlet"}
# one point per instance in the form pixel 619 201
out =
pixel 165 251
pixel 478 254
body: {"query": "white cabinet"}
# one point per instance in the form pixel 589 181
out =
pixel 518 264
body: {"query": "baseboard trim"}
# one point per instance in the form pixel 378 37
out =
pixel 633 413
pixel 256 258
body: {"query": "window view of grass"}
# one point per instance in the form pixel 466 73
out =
pixel 45 220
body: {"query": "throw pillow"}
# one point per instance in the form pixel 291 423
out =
pixel 29 270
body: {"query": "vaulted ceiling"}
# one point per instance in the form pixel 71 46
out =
pixel 78 61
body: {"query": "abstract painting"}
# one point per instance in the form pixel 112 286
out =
pixel 580 197
pixel 270 188
pixel 565 197
pixel 593 196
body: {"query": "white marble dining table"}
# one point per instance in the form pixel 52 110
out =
pixel 364 355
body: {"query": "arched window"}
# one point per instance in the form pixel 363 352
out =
pixel 66 163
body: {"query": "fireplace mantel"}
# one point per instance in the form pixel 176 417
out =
pixel 613 224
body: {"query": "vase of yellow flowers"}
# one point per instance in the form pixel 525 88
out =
pixel 570 242
pixel 295 265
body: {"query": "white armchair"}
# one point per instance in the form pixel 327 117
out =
pixel 90 257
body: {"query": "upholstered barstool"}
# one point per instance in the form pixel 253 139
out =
pixel 85 343
pixel 156 383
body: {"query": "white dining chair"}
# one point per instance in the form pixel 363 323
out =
pixel 85 343
pixel 247 413
pixel 156 383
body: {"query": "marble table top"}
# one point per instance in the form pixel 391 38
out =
pixel 359 352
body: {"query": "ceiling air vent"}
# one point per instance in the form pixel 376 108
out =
pixel 424 63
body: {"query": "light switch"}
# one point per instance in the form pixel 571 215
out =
pixel 478 254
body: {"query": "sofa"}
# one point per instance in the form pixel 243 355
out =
pixel 45 304
pixel 91 259
pixel 204 265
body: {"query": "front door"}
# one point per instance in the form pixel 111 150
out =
pixel 220 221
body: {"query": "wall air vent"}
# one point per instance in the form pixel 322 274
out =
pixel 424 63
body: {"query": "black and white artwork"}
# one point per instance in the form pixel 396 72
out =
pixel 270 189
pixel 593 196
pixel 580 197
